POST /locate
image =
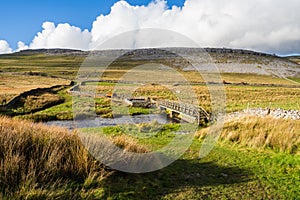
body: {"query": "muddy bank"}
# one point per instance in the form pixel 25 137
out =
pixel 18 101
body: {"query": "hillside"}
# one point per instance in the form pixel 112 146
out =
pixel 255 158
pixel 294 59
pixel 251 78
pixel 227 60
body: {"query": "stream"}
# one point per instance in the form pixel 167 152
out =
pixel 102 122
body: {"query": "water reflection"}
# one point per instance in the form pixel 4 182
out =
pixel 102 122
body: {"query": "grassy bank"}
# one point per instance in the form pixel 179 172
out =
pixel 38 161
pixel 262 133
pixel 227 173
pixel 12 85
pixel 42 162
pixel 62 111
pixel 255 158
pixel 260 160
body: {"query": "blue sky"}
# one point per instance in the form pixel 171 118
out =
pixel 264 25
pixel 20 20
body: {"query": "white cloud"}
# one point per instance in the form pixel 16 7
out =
pixel 265 25
pixel 61 36
pixel 22 46
pixel 124 17
pixel 4 47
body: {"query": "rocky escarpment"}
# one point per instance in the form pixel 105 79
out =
pixel 62 52
pixel 227 60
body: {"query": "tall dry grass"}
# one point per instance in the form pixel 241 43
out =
pixel 16 84
pixel 267 133
pixel 39 156
pixel 129 144
pixel 38 160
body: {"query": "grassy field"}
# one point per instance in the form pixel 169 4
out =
pixel 21 73
pixel 238 97
pixel 42 162
pixel 56 65
pixel 255 158
pixel 12 85
pixel 61 111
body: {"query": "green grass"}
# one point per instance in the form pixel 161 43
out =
pixel 228 172
pixel 109 84
pixel 65 110
pixel 124 110
pixel 62 111
pixel 60 66
pixel 235 169
pixel 238 97
pixel 295 79
pixel 152 135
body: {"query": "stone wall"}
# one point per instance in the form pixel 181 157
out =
pixel 264 112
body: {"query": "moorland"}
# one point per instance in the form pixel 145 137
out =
pixel 255 158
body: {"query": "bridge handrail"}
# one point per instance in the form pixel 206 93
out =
pixel 177 106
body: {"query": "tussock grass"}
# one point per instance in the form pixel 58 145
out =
pixel 59 112
pixel 129 144
pixel 37 102
pixel 36 155
pixel 267 133
pixel 38 161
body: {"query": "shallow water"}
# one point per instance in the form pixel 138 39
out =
pixel 102 122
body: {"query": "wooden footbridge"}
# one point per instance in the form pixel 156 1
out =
pixel 184 111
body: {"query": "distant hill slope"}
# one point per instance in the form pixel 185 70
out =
pixel 294 59
pixel 51 52
pixel 227 60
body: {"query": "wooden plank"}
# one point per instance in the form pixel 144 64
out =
pixel 192 111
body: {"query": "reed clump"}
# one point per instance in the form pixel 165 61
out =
pixel 35 155
pixel 267 133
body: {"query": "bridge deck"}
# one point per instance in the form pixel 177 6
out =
pixel 196 113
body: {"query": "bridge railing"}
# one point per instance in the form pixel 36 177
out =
pixel 188 109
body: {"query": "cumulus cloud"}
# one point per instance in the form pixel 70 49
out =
pixel 22 46
pixel 4 47
pixel 61 36
pixel 124 17
pixel 264 25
